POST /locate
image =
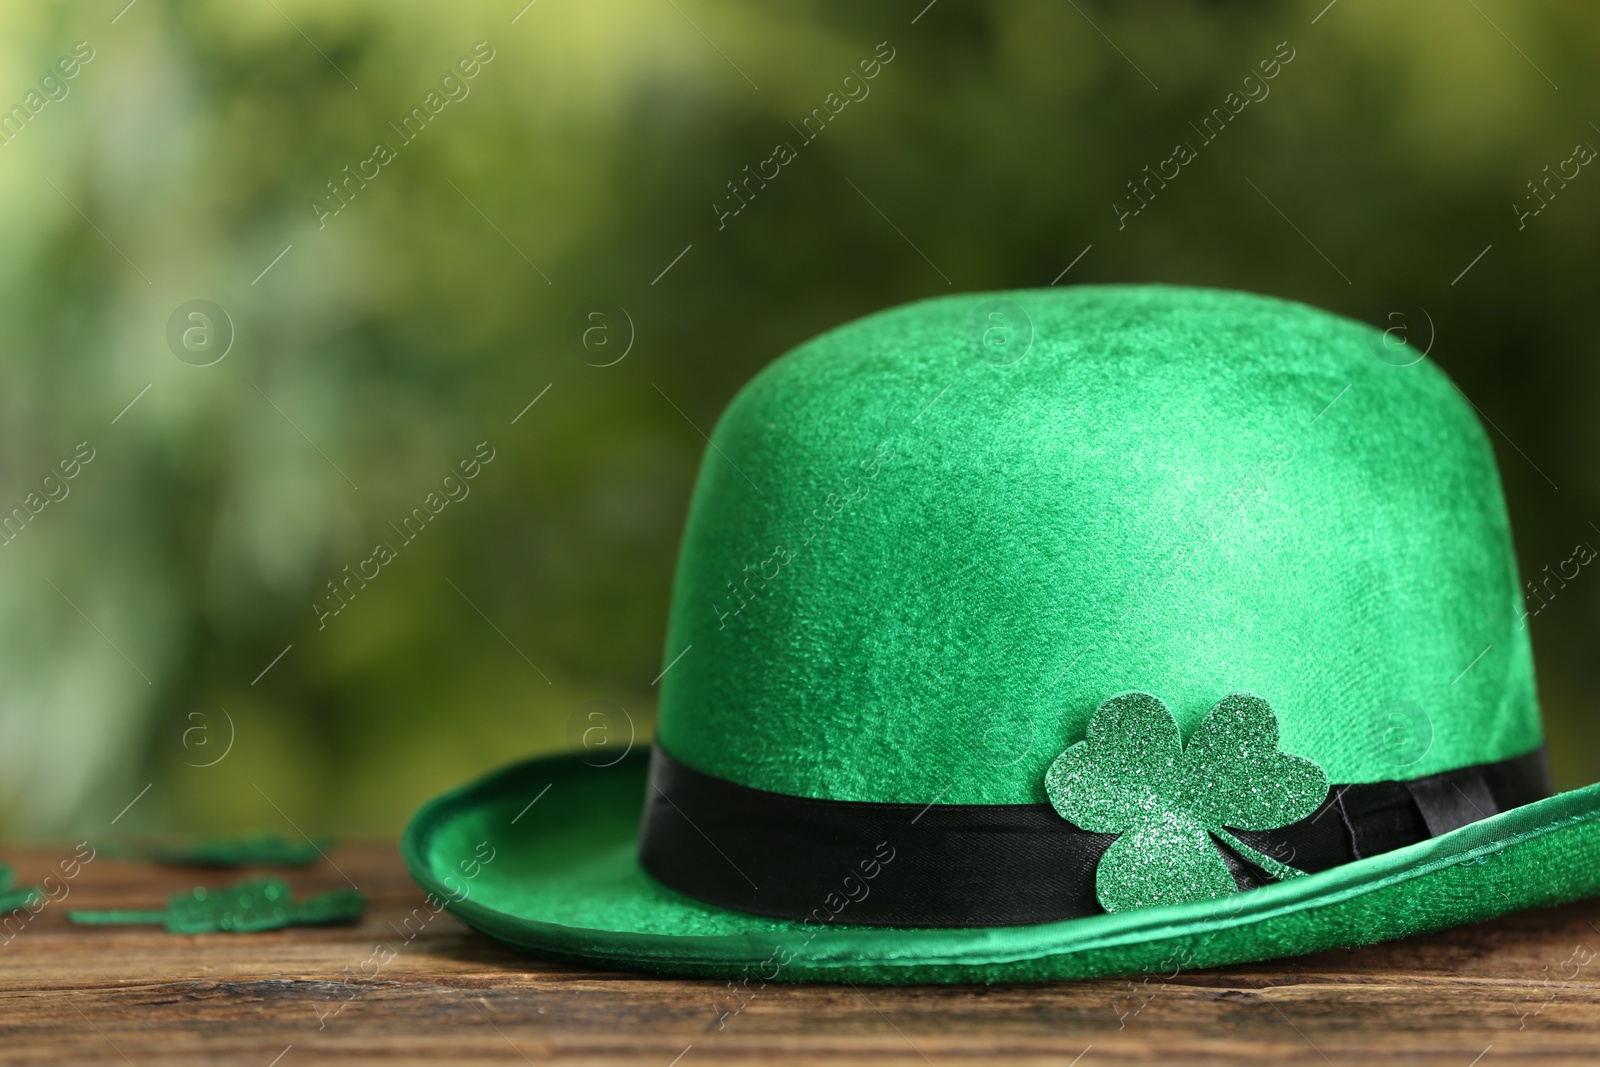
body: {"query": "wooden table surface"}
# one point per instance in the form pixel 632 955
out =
pixel 1526 987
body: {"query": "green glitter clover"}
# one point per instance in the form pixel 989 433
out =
pixel 249 906
pixel 1134 777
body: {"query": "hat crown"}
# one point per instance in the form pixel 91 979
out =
pixel 913 568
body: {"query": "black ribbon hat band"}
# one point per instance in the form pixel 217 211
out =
pixel 964 865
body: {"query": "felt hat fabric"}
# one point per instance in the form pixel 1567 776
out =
pixel 1053 634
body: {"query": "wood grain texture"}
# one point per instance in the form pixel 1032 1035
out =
pixel 1526 988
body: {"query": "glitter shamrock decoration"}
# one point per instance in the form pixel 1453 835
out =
pixel 250 906
pixel 1133 776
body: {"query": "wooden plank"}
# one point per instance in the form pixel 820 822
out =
pixel 1523 987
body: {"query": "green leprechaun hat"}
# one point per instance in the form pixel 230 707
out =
pixel 1053 634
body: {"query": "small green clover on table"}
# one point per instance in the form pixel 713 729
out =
pixel 249 906
pixel 1133 776
pixel 12 898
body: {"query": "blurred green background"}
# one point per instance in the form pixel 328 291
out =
pixel 144 607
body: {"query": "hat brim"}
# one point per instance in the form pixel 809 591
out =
pixel 541 855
